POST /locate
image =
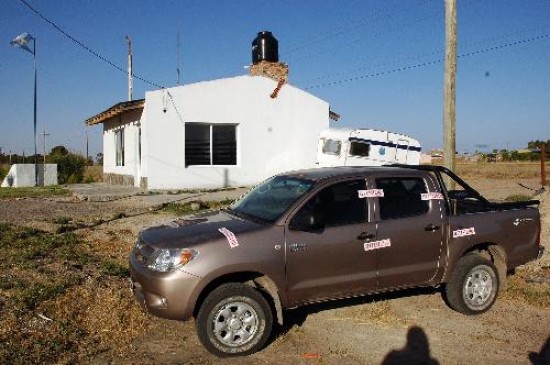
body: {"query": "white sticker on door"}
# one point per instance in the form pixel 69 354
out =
pixel 371 193
pixel 431 196
pixel 375 245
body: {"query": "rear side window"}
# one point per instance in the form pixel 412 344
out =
pixel 402 197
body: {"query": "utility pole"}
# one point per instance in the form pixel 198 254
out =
pixel 44 166
pixel 543 164
pixel 449 98
pixel 87 154
pixel 129 41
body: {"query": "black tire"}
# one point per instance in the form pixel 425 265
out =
pixel 474 285
pixel 234 320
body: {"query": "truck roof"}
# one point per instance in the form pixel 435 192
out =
pixel 316 174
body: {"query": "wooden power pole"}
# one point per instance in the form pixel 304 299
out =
pixel 449 98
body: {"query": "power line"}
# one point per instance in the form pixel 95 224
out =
pixel 428 63
pixel 85 47
pixel 465 45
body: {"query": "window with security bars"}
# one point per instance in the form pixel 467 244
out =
pixel 210 144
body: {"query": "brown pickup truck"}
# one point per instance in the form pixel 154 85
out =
pixel 323 234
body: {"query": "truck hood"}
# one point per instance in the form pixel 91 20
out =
pixel 192 231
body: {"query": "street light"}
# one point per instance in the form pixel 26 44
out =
pixel 22 41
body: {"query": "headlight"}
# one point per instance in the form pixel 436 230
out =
pixel 165 260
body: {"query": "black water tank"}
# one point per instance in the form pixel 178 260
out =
pixel 265 47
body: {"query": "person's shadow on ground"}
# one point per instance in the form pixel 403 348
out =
pixel 543 357
pixel 416 350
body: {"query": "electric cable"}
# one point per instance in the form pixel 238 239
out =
pixel 85 47
pixel 428 63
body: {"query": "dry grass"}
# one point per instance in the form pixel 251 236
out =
pixel 95 173
pixel 530 287
pixel 501 170
pixel 376 312
pixel 61 302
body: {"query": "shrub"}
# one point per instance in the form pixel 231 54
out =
pixel 3 172
pixel 70 168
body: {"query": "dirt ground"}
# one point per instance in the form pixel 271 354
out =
pixel 413 326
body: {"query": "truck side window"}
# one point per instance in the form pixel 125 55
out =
pixel 338 204
pixel 402 197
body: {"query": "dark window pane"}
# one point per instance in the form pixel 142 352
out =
pixel 339 204
pixel 402 197
pixel 224 145
pixel 197 144
pixel 359 149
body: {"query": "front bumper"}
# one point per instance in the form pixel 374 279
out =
pixel 167 295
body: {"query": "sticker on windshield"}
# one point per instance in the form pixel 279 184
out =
pixel 375 245
pixel 464 232
pixel 371 193
pixel 431 196
pixel 230 237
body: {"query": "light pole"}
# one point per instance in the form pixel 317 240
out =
pixel 22 41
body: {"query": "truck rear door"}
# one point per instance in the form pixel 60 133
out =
pixel 409 218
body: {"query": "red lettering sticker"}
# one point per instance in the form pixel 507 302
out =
pixel 375 245
pixel 464 232
pixel 230 237
pixel 431 196
pixel 371 193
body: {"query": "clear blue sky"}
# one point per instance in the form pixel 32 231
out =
pixel 376 62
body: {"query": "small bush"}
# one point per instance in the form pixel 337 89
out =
pixel 111 268
pixel 89 179
pixel 70 168
pixel 3 172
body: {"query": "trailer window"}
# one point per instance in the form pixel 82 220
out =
pixel 332 147
pixel 359 149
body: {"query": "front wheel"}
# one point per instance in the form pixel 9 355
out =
pixel 234 320
pixel 473 286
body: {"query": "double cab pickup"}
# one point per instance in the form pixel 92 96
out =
pixel 330 233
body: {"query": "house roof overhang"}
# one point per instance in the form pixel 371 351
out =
pixel 115 111
pixel 333 115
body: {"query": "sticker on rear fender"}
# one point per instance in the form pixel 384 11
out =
pixel 371 193
pixel 464 232
pixel 230 237
pixel 375 245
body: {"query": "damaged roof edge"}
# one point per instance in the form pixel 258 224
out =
pixel 115 110
pixel 333 115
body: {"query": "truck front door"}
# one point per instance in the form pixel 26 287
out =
pixel 326 259
pixel 409 220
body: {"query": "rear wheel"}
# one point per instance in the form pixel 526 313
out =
pixel 473 286
pixel 234 320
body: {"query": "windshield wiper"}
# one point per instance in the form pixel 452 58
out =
pixel 246 216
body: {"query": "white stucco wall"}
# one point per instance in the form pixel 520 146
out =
pixel 23 175
pixel 273 135
pixel 130 126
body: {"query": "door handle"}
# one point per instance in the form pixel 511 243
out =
pixel 431 228
pixel 365 236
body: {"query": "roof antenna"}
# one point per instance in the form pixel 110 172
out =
pixel 178 58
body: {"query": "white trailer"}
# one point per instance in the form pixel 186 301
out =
pixel 365 147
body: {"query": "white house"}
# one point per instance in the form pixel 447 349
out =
pixel 228 132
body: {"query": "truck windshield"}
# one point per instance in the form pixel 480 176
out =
pixel 269 200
